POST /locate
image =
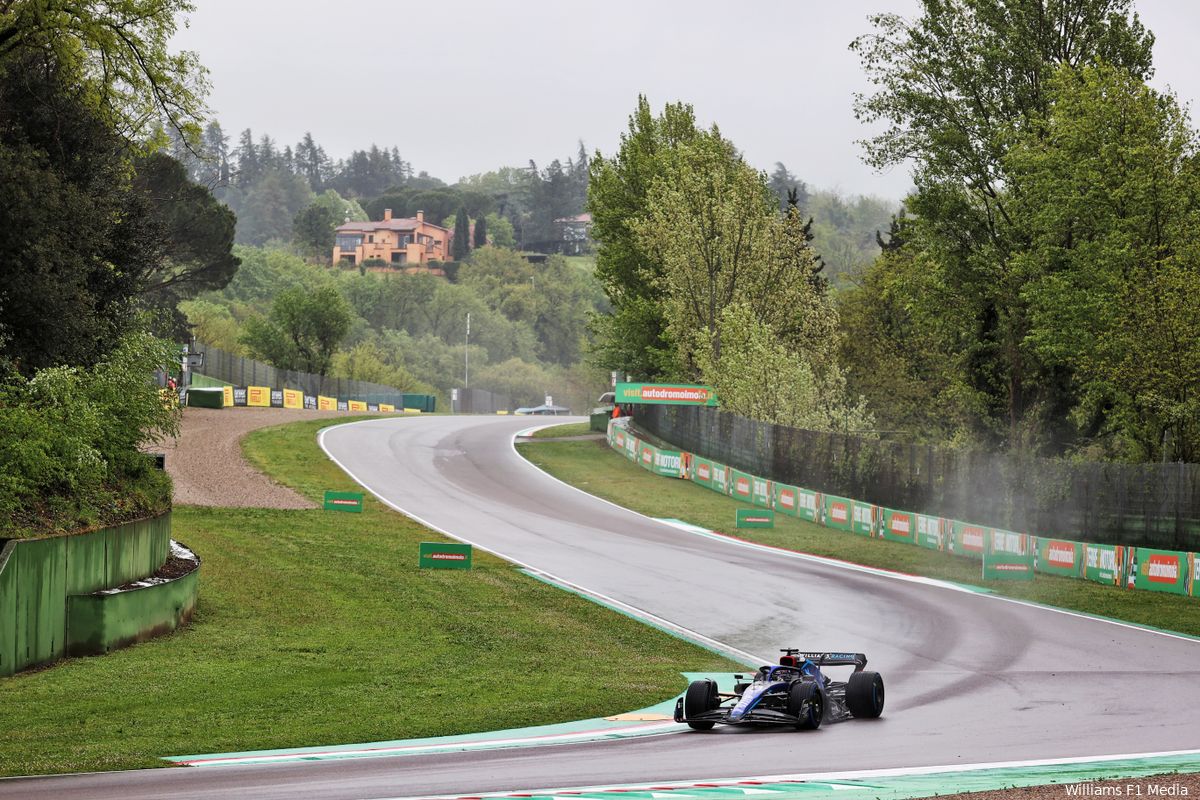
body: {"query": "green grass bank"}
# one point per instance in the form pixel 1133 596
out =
pixel 316 627
pixel 592 466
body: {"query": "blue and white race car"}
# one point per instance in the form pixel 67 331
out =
pixel 793 692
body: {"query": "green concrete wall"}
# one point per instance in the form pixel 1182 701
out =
pixel 99 623
pixel 38 575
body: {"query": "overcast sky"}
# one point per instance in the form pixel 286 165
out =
pixel 466 86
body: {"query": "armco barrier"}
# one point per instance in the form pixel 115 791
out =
pixel 38 575
pixel 1005 554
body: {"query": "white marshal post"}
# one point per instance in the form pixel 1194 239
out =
pixel 467 354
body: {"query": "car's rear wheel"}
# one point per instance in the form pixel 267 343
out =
pixel 806 700
pixel 701 696
pixel 864 695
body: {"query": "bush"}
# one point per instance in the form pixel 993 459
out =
pixel 69 442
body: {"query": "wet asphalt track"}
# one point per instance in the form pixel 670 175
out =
pixel 970 678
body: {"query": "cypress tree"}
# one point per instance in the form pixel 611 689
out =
pixel 480 231
pixel 462 234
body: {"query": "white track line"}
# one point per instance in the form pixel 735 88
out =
pixel 814 777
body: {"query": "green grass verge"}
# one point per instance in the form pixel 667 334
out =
pixel 317 628
pixel 594 467
pixel 570 429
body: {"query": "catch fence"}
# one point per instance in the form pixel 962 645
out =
pixel 1151 505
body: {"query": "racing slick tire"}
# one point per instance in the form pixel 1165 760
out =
pixel 701 696
pixel 806 700
pixel 864 695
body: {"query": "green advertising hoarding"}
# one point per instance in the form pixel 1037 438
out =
pixel 702 471
pixel 720 478
pixel 898 526
pixel 1159 570
pixel 1104 563
pixel 444 555
pixel 787 499
pixel 967 540
pixel 1004 566
pixel 1059 557
pixel 762 493
pixel 674 394
pixel 754 518
pixel 1193 580
pixel 929 532
pixel 645 455
pixel 835 512
pixel 344 501
pixel 741 485
pixel 669 463
pixel 862 518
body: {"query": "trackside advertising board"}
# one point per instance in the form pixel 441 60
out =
pixel 966 539
pixel 665 394
pixel 702 471
pixel 444 555
pixel 720 478
pixel 898 526
pixel 754 518
pixel 863 517
pixel 741 485
pixel 762 493
pixel 326 403
pixel 1193 580
pixel 930 532
pixel 1159 570
pixel 1002 566
pixel 669 463
pixel 343 501
pixel 1104 563
pixel 1059 557
pixel 258 396
pixel 293 398
pixel 835 512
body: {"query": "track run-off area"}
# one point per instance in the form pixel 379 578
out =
pixel 972 678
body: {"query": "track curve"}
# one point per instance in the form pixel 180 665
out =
pixel 971 678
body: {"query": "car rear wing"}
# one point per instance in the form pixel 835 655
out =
pixel 856 660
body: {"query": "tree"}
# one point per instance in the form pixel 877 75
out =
pixel 1111 201
pixel 116 53
pixel 758 377
pixel 312 230
pixel 788 189
pixel 634 337
pixel 712 224
pixel 302 331
pixel 480 232
pixel 75 241
pixel 192 236
pixel 957 87
pixel 461 243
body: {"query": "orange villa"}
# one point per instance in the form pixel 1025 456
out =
pixel 399 243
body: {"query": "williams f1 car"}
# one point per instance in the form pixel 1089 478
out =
pixel 793 692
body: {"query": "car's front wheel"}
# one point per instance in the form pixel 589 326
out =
pixel 701 696
pixel 806 700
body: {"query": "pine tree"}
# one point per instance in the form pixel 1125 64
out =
pixel 462 234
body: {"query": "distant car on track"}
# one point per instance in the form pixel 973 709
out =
pixel 793 692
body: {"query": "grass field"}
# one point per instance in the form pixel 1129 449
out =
pixel 317 628
pixel 571 429
pixel 594 467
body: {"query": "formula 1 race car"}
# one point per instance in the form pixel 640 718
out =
pixel 793 692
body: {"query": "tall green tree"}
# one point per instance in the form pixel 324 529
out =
pixel 462 235
pixel 481 235
pixel 634 336
pixel 956 88
pixel 1111 200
